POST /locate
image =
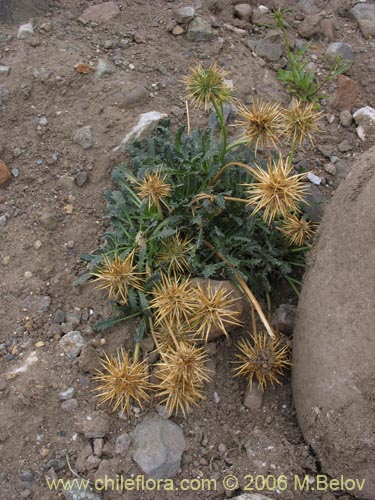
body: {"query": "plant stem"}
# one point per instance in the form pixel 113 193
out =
pixel 234 144
pixel 223 131
pixel 243 285
pixel 251 170
pixel 293 151
pixel 136 351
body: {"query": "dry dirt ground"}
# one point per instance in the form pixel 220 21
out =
pixel 51 221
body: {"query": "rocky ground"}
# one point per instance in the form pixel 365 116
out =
pixel 72 85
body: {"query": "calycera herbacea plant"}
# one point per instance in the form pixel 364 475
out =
pixel 187 208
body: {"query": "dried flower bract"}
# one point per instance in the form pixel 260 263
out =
pixel 207 86
pixel 301 122
pixel 264 358
pixel 118 275
pixel 122 382
pixel 262 124
pixel 182 373
pixel 154 189
pixel 297 230
pixel 275 190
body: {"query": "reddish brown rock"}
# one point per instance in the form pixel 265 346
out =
pixel 100 13
pixel 346 94
pixel 5 175
pixel 328 27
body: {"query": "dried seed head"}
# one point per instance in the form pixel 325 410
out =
pixel 214 310
pixel 173 253
pixel 118 275
pixel 154 188
pixel 275 190
pixel 296 230
pixel 182 373
pixel 301 122
pixel 174 301
pixel 264 358
pixel 207 86
pixel 122 382
pixel 262 124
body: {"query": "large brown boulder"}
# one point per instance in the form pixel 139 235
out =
pixel 16 11
pixel 334 338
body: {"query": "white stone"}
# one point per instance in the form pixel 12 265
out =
pixel 146 124
pixel 4 70
pixel 25 31
pixel 314 179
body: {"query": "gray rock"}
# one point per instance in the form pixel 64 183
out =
pixel 243 11
pixel 98 446
pixel 330 168
pixel 3 220
pixel 4 70
pixel 253 397
pixel 73 318
pixel 26 475
pixel 364 14
pixel 72 344
pixel 38 304
pixel 311 26
pixel 146 124
pixel 135 96
pixel 122 444
pixel 183 15
pixel 157 447
pixel 83 137
pixel 345 146
pixel 68 394
pixel 314 206
pixel 268 50
pixel 200 30
pixel 16 11
pixel 25 31
pixel 103 68
pixel 341 51
pixel 346 118
pixel 283 319
pixel 66 182
pixel 81 178
pixel 307 6
pixel 100 13
pixel 4 93
pixel 96 425
pixel 74 493
pixel 69 405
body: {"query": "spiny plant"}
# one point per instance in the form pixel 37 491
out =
pixel 185 207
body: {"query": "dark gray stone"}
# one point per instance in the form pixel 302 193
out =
pixel 83 137
pixel 78 494
pixel 364 14
pixel 17 11
pixel 341 51
pixel 96 425
pixel 315 200
pixel 135 96
pixel 183 15
pixel 157 447
pixel 284 317
pixel 200 30
pixel 253 397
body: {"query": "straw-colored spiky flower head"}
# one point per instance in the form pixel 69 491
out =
pixel 173 252
pixel 174 301
pixel 154 188
pixel 301 122
pixel 297 230
pixel 275 190
pixel 182 373
pixel 122 382
pixel 215 310
pixel 262 124
pixel 118 275
pixel 264 358
pixel 207 86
